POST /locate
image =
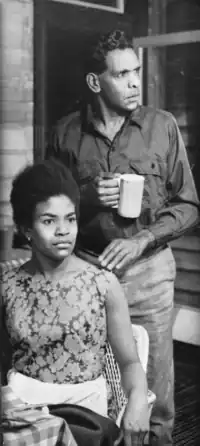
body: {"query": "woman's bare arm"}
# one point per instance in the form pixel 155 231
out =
pixel 120 337
pixel 135 421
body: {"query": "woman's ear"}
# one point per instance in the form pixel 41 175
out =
pixel 27 233
pixel 92 80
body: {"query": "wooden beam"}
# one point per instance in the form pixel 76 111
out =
pixel 156 57
pixel 39 80
pixel 140 54
pixel 156 17
pixel 119 8
pixel 160 40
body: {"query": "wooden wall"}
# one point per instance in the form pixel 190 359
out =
pixel 182 98
pixel 187 255
pixel 182 78
pixel 173 83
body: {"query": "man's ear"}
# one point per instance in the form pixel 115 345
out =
pixel 92 80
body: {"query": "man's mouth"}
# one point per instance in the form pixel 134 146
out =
pixel 133 96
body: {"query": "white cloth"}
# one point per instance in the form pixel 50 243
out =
pixel 90 394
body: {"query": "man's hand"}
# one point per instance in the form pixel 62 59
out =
pixel 107 190
pixel 135 421
pixel 120 253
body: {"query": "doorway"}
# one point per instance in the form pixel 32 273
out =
pixel 62 35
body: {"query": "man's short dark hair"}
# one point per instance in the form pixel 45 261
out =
pixel 37 183
pixel 114 40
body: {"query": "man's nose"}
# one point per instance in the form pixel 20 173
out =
pixel 134 80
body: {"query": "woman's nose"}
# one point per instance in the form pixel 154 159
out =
pixel 62 228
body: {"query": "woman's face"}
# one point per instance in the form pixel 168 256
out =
pixel 54 228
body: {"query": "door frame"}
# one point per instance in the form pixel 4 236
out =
pixel 119 9
pixel 39 58
pixel 153 77
pixel 42 19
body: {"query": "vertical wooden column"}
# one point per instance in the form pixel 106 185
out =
pixel 155 55
pixel 16 148
pixel 40 25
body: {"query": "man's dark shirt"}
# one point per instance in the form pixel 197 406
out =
pixel 149 143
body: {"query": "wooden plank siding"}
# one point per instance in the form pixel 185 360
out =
pixel 187 255
pixel 189 262
pixel 182 99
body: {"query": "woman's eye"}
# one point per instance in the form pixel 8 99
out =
pixel 72 219
pixel 48 221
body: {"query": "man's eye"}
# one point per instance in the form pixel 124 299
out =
pixel 122 74
pixel 137 71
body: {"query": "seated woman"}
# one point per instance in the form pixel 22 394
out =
pixel 60 311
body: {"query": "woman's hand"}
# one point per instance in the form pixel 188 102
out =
pixel 135 421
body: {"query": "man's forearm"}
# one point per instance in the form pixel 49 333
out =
pixel 182 210
pixel 174 222
pixel 146 238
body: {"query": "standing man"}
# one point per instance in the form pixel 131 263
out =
pixel 113 134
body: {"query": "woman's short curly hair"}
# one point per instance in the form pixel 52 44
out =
pixel 96 59
pixel 37 183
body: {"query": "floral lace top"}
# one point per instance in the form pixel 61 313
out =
pixel 57 330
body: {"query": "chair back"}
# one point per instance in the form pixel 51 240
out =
pixel 113 376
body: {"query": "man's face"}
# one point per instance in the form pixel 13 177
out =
pixel 120 83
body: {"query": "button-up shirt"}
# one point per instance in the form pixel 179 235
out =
pixel 149 143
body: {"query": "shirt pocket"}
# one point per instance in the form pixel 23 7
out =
pixel 154 194
pixel 87 171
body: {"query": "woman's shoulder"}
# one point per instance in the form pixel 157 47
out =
pixel 82 266
pixel 7 271
pixel 11 271
pixel 100 275
pixel 8 277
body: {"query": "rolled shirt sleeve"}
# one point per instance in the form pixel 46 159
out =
pixel 182 209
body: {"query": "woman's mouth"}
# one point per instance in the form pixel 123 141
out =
pixel 62 244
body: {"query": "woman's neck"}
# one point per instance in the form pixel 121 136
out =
pixel 50 269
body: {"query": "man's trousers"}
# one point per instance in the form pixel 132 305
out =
pixel 149 287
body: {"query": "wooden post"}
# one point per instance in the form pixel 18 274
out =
pixel 39 79
pixel 156 56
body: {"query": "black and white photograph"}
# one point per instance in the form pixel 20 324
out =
pixel 100 222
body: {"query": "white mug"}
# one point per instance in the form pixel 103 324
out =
pixel 131 188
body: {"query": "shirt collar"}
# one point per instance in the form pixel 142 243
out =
pixel 135 117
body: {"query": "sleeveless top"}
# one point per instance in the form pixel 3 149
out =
pixel 57 330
